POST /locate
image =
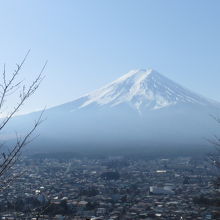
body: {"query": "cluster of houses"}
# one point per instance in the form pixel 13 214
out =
pixel 113 188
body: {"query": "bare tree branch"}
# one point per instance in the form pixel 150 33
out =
pixel 24 94
pixel 12 157
pixel 8 87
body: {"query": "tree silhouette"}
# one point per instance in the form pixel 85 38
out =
pixel 11 85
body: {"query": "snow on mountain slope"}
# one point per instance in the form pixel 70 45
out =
pixel 141 108
pixel 143 89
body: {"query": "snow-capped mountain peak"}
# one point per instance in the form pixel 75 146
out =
pixel 124 113
pixel 143 89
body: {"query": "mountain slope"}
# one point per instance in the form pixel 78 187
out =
pixel 142 89
pixel 141 108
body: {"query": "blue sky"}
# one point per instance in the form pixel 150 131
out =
pixel 89 43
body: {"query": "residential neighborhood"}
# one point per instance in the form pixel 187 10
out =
pixel 111 188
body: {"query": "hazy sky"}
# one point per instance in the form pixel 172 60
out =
pixel 89 43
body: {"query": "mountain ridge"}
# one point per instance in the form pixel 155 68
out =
pixel 141 108
pixel 143 89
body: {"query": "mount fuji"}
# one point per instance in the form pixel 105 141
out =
pixel 143 90
pixel 140 109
